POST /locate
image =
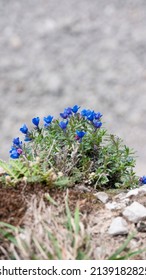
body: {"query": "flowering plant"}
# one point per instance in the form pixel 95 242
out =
pixel 75 148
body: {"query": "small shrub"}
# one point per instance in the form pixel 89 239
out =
pixel 75 149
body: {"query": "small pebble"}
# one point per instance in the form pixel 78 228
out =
pixel 102 196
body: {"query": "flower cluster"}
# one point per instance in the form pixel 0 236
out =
pixel 16 149
pixel 93 117
pixel 76 145
pixel 86 114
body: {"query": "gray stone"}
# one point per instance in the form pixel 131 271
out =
pixel 118 226
pixel 82 188
pixel 102 196
pixel 135 212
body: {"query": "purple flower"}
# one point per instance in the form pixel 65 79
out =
pixel 63 125
pixel 75 109
pixel 24 129
pixel 97 124
pixel 19 151
pixel 79 135
pixel 36 121
pixel 143 180
pixel 47 120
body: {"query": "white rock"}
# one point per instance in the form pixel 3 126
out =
pixel 135 192
pixel 116 205
pixel 118 226
pixel 111 205
pixel 135 212
pixel 120 196
pixel 102 196
pixel 132 193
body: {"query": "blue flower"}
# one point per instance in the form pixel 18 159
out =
pixel 17 142
pixel 97 116
pixel 47 120
pixel 36 121
pixel 97 124
pixel 63 125
pixel 64 115
pixel 75 109
pixel 86 113
pixel 80 134
pixel 68 111
pixel 14 153
pixel 24 129
pixel 143 180
pixel 90 115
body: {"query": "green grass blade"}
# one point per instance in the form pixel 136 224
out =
pixel 77 220
pixel 3 224
pixel 122 248
pixel 50 199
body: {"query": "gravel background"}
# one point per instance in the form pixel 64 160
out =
pixel 54 54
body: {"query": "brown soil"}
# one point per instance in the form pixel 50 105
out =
pixel 14 201
pixel 12 206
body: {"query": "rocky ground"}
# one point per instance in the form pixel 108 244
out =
pixel 107 217
pixel 91 53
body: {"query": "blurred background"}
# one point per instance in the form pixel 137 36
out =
pixel 58 53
